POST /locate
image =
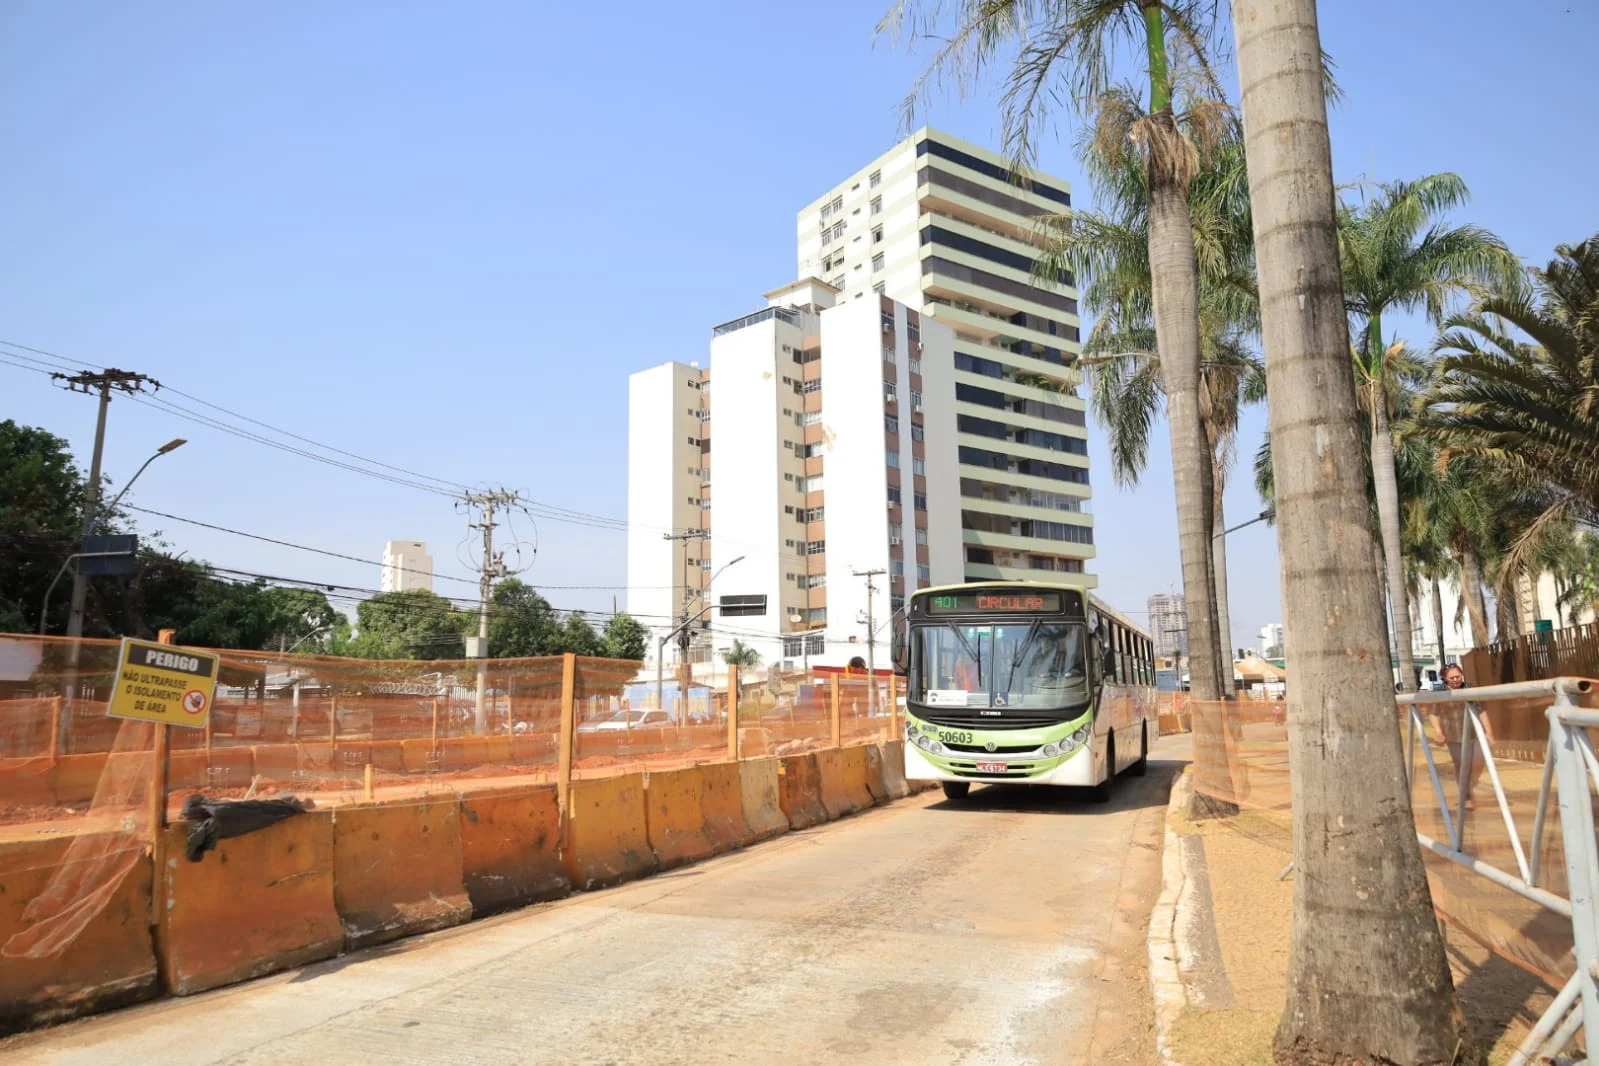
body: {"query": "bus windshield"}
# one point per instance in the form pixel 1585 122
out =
pixel 1024 664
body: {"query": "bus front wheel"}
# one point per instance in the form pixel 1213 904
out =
pixel 1141 767
pixel 956 790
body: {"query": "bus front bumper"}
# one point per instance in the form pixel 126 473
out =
pixel 1077 768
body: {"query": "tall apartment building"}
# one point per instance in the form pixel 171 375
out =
pixel 817 444
pixel 1271 636
pixel 1168 624
pixel 406 565
pixel 938 225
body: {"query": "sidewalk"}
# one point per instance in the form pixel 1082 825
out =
pixel 1220 935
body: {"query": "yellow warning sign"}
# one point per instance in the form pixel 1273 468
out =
pixel 164 683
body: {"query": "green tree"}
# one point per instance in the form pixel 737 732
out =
pixel 577 637
pixel 741 654
pixel 521 622
pixel 411 624
pixel 1067 48
pixel 41 513
pixel 1397 255
pixel 1368 980
pixel 1518 387
pixel 625 637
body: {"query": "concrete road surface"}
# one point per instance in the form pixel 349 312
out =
pixel 1005 929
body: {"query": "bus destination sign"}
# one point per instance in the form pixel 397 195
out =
pixel 995 602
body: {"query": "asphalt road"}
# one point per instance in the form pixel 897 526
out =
pixel 1008 928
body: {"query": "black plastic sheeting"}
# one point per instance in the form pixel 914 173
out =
pixel 216 820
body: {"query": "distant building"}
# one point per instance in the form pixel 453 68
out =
pixel 1271 636
pixel 406 565
pixel 1168 624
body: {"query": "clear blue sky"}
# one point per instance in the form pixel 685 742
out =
pixel 443 235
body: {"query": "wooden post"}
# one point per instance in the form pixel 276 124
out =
pixel 563 771
pixel 333 718
pixel 893 707
pixel 837 734
pixel 369 782
pixel 732 712
pixel 435 721
pixel 55 727
pixel 157 801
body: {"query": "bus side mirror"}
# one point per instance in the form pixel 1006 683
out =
pixel 899 642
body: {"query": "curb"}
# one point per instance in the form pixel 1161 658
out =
pixel 1165 982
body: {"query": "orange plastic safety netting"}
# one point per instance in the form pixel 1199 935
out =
pixel 1241 756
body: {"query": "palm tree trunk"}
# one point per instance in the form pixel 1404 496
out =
pixel 1438 620
pixel 1368 980
pixel 1476 602
pixel 1224 625
pixel 1382 471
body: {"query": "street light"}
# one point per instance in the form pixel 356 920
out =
pixel 92 515
pixel 660 646
pixel 1265 516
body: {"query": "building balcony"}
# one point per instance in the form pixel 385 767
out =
pixel 990 572
pixel 1043 545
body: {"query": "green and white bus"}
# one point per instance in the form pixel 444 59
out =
pixel 1023 682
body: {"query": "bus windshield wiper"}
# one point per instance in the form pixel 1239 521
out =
pixel 1021 652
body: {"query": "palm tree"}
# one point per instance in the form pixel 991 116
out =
pixel 1368 980
pixel 741 654
pixel 1518 386
pixel 1107 252
pixel 1067 47
pixel 1397 256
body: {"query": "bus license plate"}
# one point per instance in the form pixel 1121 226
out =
pixel 992 767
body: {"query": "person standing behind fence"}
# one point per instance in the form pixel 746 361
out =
pixel 1451 721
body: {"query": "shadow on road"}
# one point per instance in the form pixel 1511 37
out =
pixel 1130 793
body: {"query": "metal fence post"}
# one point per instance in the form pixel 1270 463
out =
pixel 1582 860
pixel 158 805
pixel 732 711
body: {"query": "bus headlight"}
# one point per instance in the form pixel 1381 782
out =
pixel 1051 750
pixel 1068 745
pixel 1081 736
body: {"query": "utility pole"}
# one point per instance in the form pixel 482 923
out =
pixel 493 567
pixel 88 382
pixel 683 636
pixel 871 638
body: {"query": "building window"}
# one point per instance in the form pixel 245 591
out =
pixel 838 204
pixel 815 547
pixel 919 467
pixel 816 643
pixel 888 322
pixel 814 514
pixel 896 603
pixel 877 234
pixel 878 288
pixel 916 366
pixel 813 450
pixel 817 614
pixel 893 460
pixel 877 262
pixel 921 536
pixel 838 231
pixel 890 424
pixel 924 573
pixel 815 581
pixel 917 432
pixel 916 401
pixel 694 440
pixel 838 282
pixel 896 532
pixel 877 205
pixel 889 394
pixel 913 331
pixel 792 646
pixel 812 418
pixel 893 494
pixel 811 484
pixel 896 567
pixel 921 501
pixel 875 180
pixel 813 385
pixel 827 237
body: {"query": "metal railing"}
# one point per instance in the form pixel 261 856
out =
pixel 1571 770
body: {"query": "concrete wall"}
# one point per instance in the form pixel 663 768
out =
pixel 660 486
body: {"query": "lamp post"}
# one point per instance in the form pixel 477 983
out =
pixel 91 521
pixel 1264 516
pixel 660 645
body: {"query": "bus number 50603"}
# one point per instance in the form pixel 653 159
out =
pixel 954 738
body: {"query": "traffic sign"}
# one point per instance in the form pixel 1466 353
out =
pixel 164 683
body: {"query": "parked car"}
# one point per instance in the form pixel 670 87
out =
pixel 631 719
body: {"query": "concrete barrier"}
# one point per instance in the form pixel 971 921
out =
pixel 111 962
pixel 675 817
pixel 837 796
pixel 464 753
pixel 857 774
pixel 800 791
pixel 422 756
pixel 877 775
pixel 759 789
pixel 607 839
pixel 397 869
pixel 511 848
pixel 893 754
pixel 77 776
pixel 259 903
pixel 214 769
pixel 722 807
pixel 28 782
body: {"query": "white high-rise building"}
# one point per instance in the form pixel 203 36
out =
pixel 406 565
pixel 824 447
pixel 1168 624
pixel 1271 636
pixel 937 224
